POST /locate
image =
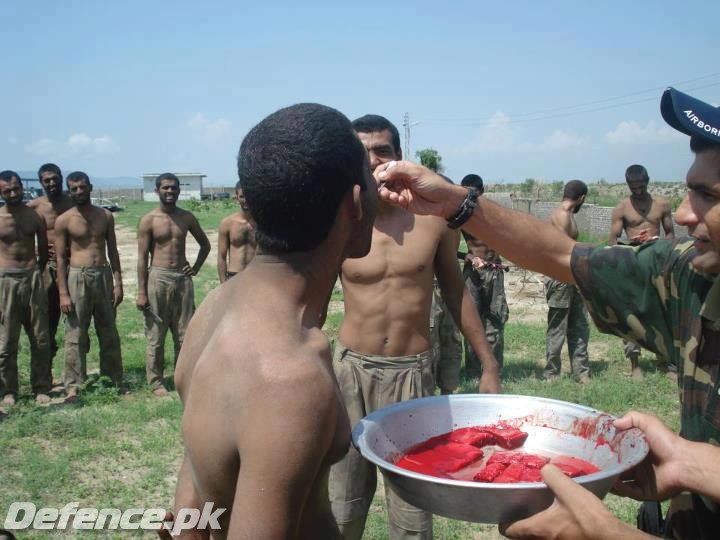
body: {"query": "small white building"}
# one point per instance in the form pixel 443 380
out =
pixel 190 186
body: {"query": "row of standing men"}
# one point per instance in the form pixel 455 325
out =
pixel 59 255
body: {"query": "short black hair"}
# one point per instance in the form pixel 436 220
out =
pixel 49 167
pixel 374 123
pixel 166 176
pixel 473 180
pixel 636 172
pixel 575 189
pixel 7 176
pixel 295 167
pixel 77 176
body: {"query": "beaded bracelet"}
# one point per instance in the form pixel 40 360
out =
pixel 466 209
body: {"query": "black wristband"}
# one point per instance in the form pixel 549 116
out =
pixel 466 209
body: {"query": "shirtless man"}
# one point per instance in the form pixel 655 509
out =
pixel 89 288
pixel 22 295
pixel 236 238
pixel 566 312
pixel 166 294
pixel 485 279
pixel 264 417
pixel 383 354
pixel 640 216
pixel 49 207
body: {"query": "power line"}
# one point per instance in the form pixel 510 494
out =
pixel 524 117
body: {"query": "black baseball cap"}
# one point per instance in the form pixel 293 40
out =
pixel 691 116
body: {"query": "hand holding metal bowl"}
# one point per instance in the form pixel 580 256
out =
pixel 554 428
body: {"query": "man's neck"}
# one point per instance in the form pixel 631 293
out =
pixel 568 205
pixel 168 208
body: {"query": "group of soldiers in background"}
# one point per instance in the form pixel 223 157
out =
pixel 59 255
pixel 640 216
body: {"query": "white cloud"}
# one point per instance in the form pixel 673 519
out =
pixel 500 137
pixel 209 131
pixel 627 133
pixel 74 144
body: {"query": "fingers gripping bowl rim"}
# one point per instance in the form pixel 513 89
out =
pixel 554 427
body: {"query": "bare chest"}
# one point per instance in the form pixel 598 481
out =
pixel 241 233
pixel 166 230
pixel 14 229
pixel 411 257
pixel 642 212
pixel 83 229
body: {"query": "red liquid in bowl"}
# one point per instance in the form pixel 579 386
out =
pixel 486 454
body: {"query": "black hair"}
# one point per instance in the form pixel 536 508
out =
pixel 575 189
pixel 636 172
pixel 166 176
pixel 77 176
pixel 50 167
pixel 295 167
pixel 7 176
pixel 374 123
pixel 238 185
pixel 473 180
pixel 700 144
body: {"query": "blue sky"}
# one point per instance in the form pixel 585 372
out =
pixel 123 88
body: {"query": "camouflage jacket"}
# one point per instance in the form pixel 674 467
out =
pixel 652 295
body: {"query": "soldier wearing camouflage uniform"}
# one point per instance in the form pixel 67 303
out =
pixel 665 295
pixel 485 279
pixel 566 313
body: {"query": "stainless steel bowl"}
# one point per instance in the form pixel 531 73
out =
pixel 554 427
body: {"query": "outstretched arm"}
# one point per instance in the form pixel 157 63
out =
pixel 520 237
pixel 463 310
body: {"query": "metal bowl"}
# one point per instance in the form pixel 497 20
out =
pixel 554 427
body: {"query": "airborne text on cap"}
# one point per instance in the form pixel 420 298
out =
pixel 699 123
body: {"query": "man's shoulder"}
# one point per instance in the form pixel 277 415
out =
pixel 40 201
pixel 622 205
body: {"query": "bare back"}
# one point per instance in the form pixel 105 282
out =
pixel 18 231
pixel 86 232
pixel 236 237
pixel 49 211
pixel 388 292
pixel 247 387
pixel 639 217
pixel 564 220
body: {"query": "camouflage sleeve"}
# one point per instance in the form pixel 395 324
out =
pixel 626 291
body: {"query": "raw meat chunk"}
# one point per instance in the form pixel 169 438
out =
pixel 506 436
pixel 489 472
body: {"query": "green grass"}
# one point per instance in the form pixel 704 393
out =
pixel 125 452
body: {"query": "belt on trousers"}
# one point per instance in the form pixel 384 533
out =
pixel 423 359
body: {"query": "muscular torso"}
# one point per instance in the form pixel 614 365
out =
pixel 228 365
pixel 86 234
pixel 18 231
pixel 241 242
pixel 388 292
pixel 168 234
pixel 642 215
pixel 50 211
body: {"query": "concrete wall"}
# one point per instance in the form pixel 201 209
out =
pixel 592 220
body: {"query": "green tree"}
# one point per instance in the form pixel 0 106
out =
pixel 430 158
pixel 527 186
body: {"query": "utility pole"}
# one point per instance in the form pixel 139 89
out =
pixel 406 125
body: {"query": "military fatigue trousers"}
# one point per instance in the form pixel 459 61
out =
pixel 367 383
pixel 91 293
pixel 446 343
pixel 23 304
pixel 53 305
pixel 567 317
pixel 172 303
pixel 487 288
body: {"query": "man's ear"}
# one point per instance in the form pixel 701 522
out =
pixel 356 203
